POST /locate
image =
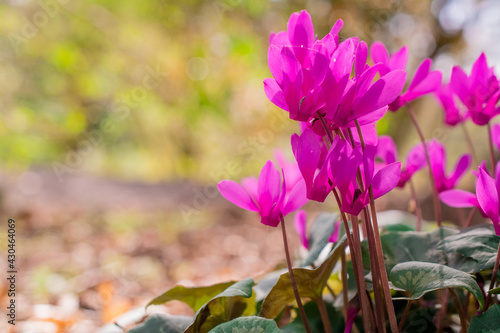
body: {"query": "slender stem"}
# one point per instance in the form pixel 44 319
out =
pixel 375 268
pixel 444 296
pixel 437 207
pixel 469 142
pixel 460 310
pixel 493 278
pixel 403 317
pixel 292 278
pixel 325 127
pixel 461 216
pixel 471 215
pixel 361 274
pixel 466 305
pixel 345 287
pixel 418 211
pixel 492 152
pixel 334 296
pixel 379 253
pixel 324 315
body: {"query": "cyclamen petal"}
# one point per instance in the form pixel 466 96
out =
pixel 300 224
pixel 275 94
pixel 386 179
pixel 268 187
pixel 296 199
pixel 487 196
pixel 236 194
pixel 458 198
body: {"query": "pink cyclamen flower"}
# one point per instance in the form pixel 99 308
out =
pixel 424 82
pixel 265 195
pixel 387 152
pixel 308 151
pixel 437 154
pixel 379 54
pixel 361 98
pixel 343 168
pixel 479 91
pixel 486 198
pixel 300 224
pixel 298 63
pixel 454 113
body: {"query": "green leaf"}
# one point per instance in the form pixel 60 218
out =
pixel 321 231
pixel 494 291
pixel 419 278
pixel 403 246
pixel 472 251
pixel 163 323
pixel 486 322
pixel 248 325
pixel 235 301
pixel 195 297
pixel 310 283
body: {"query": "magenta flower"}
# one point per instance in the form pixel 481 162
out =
pixel 486 198
pixel 343 168
pixel 298 63
pixel 424 82
pixel 265 195
pixel 437 154
pixel 308 151
pixel 379 54
pixel 300 224
pixel 387 152
pixel 479 91
pixel 360 98
pixel 454 113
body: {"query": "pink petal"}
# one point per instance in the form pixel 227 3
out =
pixel 300 224
pixel 399 59
pixel 336 27
pixel 461 167
pixel 386 179
pixel 236 194
pixel 301 34
pixel 296 199
pixel 458 198
pixel 421 73
pixel 386 149
pixel 275 94
pixel 361 55
pixel 268 187
pixel 487 196
pixel 379 53
pixel 307 151
pixel 381 93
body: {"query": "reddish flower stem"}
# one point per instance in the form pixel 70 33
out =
pixel 437 206
pixel 378 251
pixel 292 278
pixel 403 317
pixel 324 315
pixel 358 274
pixel 493 279
pixel 460 310
pixel 418 211
pixel 469 143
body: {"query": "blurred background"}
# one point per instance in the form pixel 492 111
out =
pixel 119 117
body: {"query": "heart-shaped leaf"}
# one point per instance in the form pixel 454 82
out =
pixel 163 323
pixel 486 322
pixel 419 278
pixel 248 325
pixel 403 246
pixel 195 297
pixel 321 231
pixel 235 301
pixel 473 250
pixel 310 284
